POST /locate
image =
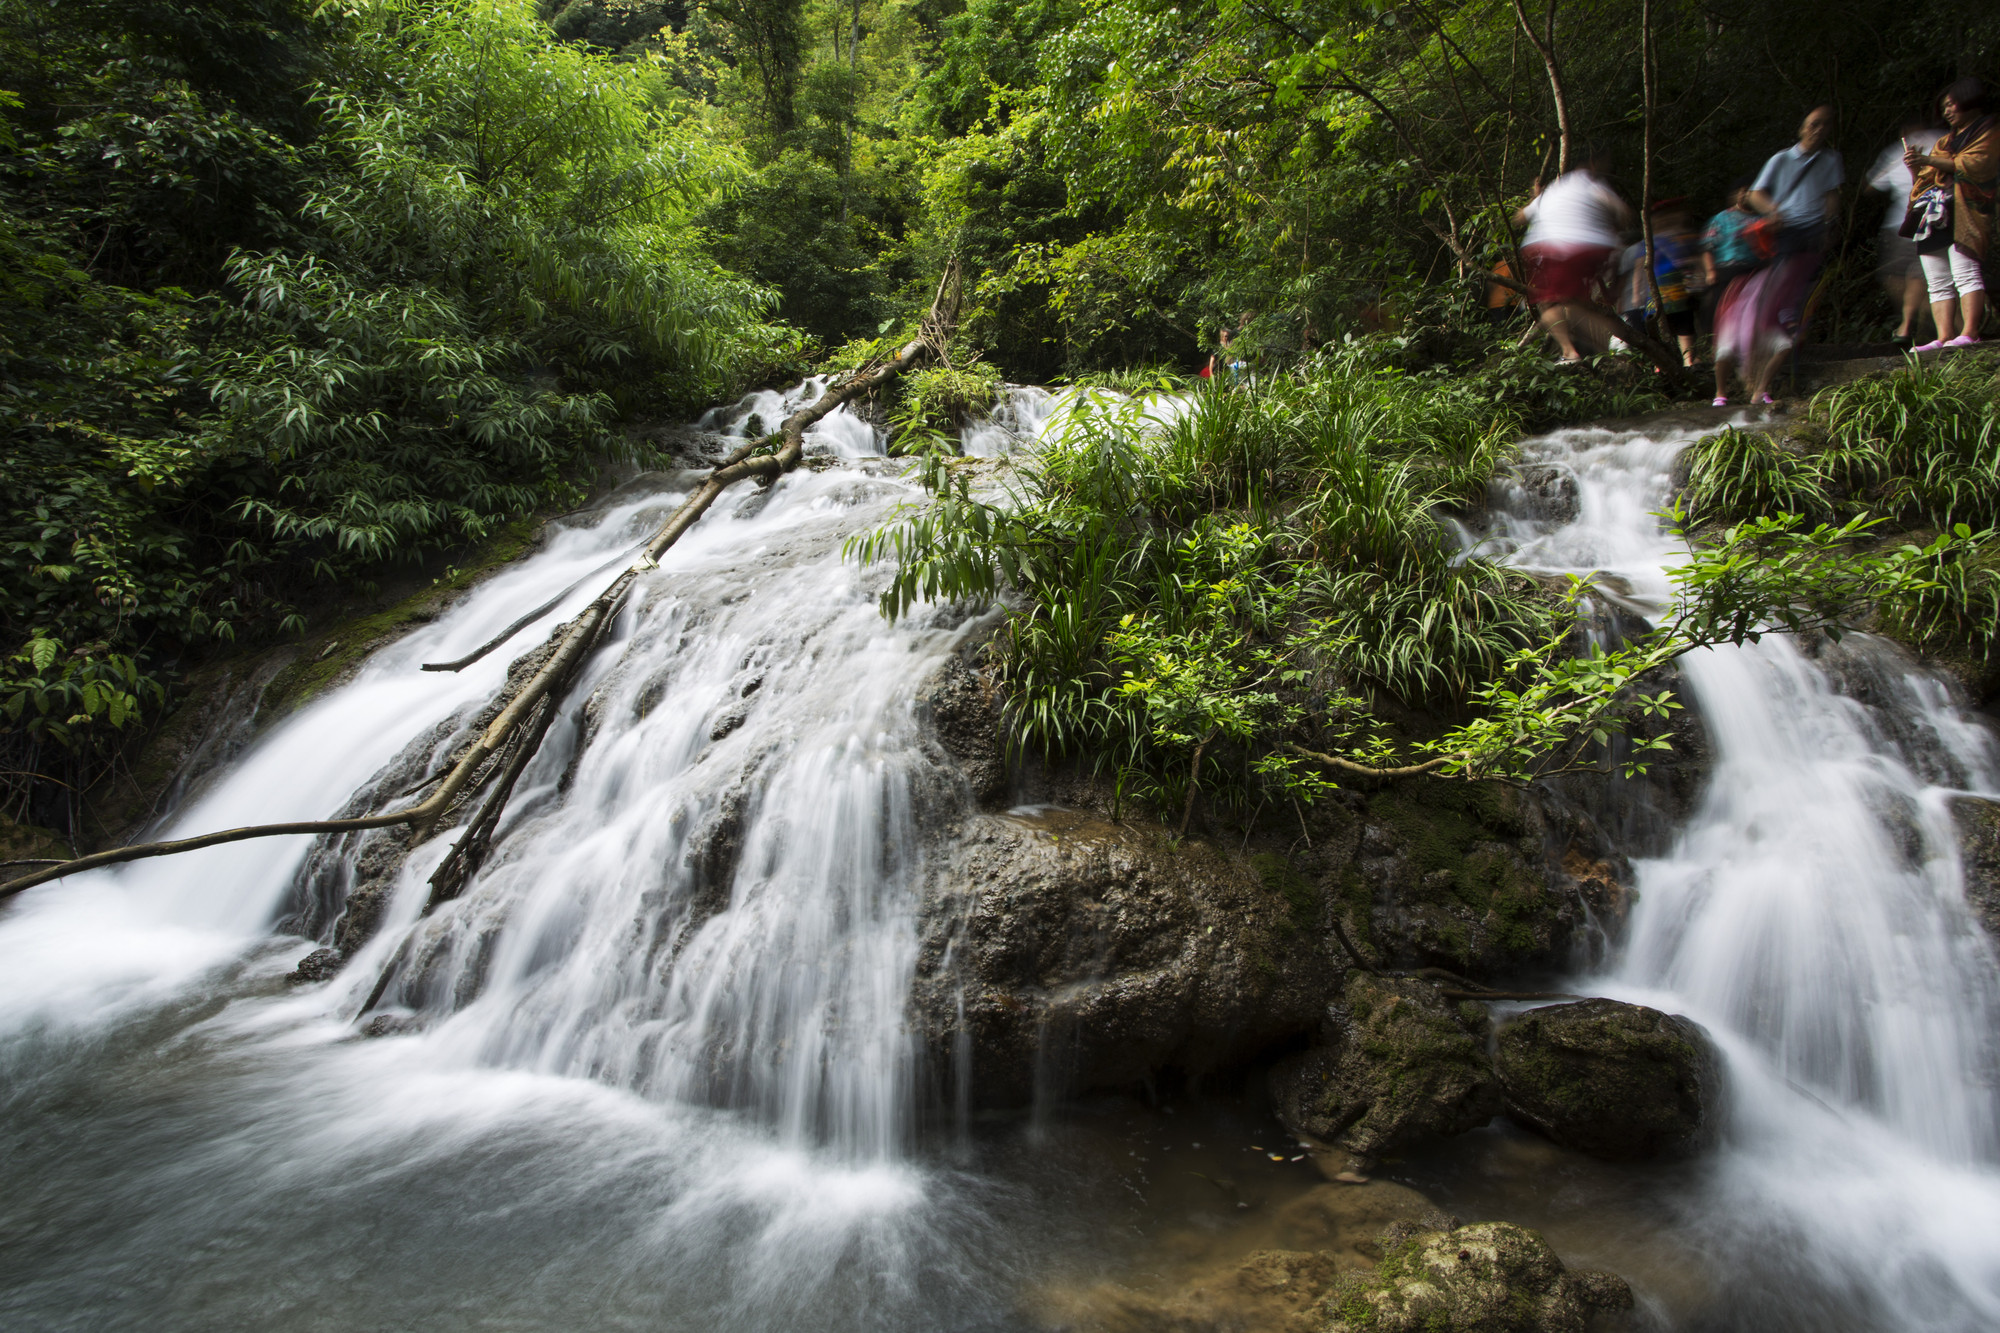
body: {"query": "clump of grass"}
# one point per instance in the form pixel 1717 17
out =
pixel 1920 444
pixel 1137 380
pixel 1199 579
pixel 1919 448
pixel 1738 474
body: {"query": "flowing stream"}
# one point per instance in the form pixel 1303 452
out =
pixel 652 1069
pixel 1810 914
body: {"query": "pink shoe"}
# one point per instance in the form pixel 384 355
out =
pixel 1964 340
pixel 1720 402
pixel 1930 346
pixel 1765 400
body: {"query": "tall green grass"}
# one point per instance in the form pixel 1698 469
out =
pixel 1198 578
pixel 1918 448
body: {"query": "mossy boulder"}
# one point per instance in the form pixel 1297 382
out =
pixel 1468 877
pixel 1400 1064
pixel 1618 1081
pixel 1490 1277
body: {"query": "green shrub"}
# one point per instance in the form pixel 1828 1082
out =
pixel 1199 580
pixel 1736 474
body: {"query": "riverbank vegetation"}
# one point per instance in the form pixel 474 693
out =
pixel 1260 593
pixel 293 295
pixel 1916 452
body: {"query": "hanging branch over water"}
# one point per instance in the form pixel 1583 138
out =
pixel 516 732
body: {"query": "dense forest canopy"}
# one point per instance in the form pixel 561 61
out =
pixel 292 293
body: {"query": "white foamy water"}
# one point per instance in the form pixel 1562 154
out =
pixel 1811 915
pixel 655 1071
pixel 654 1058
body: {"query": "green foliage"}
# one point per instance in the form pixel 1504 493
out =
pixel 1917 449
pixel 70 697
pixel 1246 590
pixel 1768 575
pixel 1739 472
pixel 1200 578
pixel 1921 443
pixel 942 400
pixel 287 298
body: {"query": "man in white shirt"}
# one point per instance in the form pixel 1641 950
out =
pixel 1572 230
pixel 1896 255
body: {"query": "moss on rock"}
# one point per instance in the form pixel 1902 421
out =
pixel 1618 1081
pixel 1401 1064
pixel 333 653
pixel 1490 1277
pixel 1457 873
pixel 1978 823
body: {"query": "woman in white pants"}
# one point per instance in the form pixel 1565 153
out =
pixel 1951 212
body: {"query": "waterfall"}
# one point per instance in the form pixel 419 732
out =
pixel 663 1028
pixel 653 1068
pixel 1811 915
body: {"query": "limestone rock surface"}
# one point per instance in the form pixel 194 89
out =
pixel 1400 1064
pixel 1615 1080
pixel 1063 952
pixel 1978 823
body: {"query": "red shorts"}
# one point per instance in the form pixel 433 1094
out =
pixel 1559 273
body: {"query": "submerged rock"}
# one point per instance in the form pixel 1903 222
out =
pixel 1614 1080
pixel 1401 1064
pixel 1317 1237
pixel 1063 952
pixel 1490 1277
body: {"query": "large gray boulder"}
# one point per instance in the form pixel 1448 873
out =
pixel 1485 881
pixel 1490 1277
pixel 1615 1080
pixel 1401 1064
pixel 1063 952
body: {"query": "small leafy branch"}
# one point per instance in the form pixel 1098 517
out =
pixel 69 697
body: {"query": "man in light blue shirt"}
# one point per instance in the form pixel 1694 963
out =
pixel 1802 184
pixel 1800 189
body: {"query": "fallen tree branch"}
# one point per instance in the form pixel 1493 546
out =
pixel 461 663
pixel 559 671
pixel 1406 771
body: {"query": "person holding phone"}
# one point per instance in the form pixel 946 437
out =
pixel 1950 217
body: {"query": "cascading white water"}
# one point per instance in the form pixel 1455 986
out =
pixel 657 1073
pixel 1811 915
pixel 699 916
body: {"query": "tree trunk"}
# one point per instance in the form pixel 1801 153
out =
pixel 1545 46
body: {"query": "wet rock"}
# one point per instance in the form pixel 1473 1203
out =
pixel 1618 1081
pixel 962 705
pixel 1270 1289
pixel 1978 824
pixel 1546 492
pixel 319 965
pixel 1401 1064
pixel 1317 1237
pixel 1063 952
pixel 1471 877
pixel 1490 1277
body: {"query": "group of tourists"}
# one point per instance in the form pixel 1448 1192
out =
pixel 1754 266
